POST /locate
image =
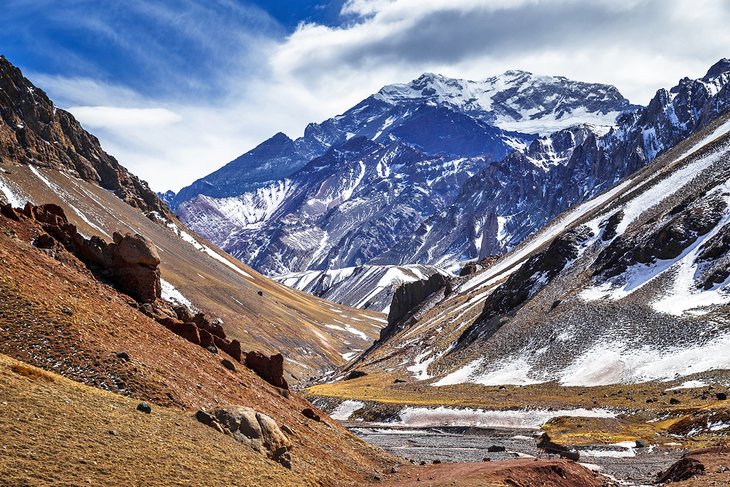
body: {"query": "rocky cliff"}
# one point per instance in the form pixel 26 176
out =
pixel 34 131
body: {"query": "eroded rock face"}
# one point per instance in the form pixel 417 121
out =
pixel 535 274
pixel 130 262
pixel 271 369
pixel 257 430
pixel 409 295
pixel 34 131
pixel 674 232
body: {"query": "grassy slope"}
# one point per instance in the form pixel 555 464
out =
pixel 56 316
pixel 57 432
pixel 259 312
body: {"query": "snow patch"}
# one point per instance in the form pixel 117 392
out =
pixel 171 294
pixel 346 409
pixel 525 418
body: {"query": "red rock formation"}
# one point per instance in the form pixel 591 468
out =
pixel 271 369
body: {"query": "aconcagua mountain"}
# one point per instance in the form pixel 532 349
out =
pixel 353 187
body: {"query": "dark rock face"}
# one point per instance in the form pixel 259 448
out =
pixel 547 444
pixel 309 413
pixel 34 131
pixel 409 295
pixel 355 374
pixel 684 469
pixel 677 229
pixel 535 274
pixel 271 369
pixel 144 408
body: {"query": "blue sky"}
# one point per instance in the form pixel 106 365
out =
pixel 176 88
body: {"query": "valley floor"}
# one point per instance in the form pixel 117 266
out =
pixel 456 423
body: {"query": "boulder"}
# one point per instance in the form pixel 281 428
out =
pixel 136 249
pixel 271 369
pixel 228 364
pixel 144 407
pixel 545 443
pixel 309 413
pixel 257 430
pixel 355 374
pixel 684 469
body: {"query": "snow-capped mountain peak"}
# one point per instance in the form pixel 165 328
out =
pixel 515 100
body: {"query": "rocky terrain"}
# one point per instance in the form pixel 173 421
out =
pixel 312 334
pixel 617 307
pixel 34 131
pixel 149 382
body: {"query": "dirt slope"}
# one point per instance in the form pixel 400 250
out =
pixel 55 315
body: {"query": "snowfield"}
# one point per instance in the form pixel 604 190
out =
pixel 484 418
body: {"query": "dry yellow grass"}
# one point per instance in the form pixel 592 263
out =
pixel 57 432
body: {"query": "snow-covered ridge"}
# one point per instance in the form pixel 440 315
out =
pixel 367 287
pixel 515 100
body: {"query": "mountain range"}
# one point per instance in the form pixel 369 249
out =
pixel 348 192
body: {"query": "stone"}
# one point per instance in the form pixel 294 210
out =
pixel 228 364
pixel 271 369
pixel 409 296
pixel 496 448
pixel 674 400
pixel 257 430
pixel 205 418
pixel 212 348
pixel 122 356
pixel 684 469
pixel 355 374
pixel 545 443
pixel 136 249
pixel 721 396
pixel 144 407
pixel 44 241
pixel 641 444
pixel 309 413
pixel 287 429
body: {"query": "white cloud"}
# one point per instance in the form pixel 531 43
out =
pixel 118 118
pixel 265 85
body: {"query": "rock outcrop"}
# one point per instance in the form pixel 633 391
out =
pixel 409 295
pixel 269 368
pixel 254 429
pixel 535 274
pixel 130 262
pixel 34 131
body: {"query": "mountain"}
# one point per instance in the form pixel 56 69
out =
pixel 512 198
pixel 47 157
pixel 437 114
pixel 383 169
pixel 630 286
pixel 605 332
pixel 364 287
pixel 130 334
pixel 33 131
